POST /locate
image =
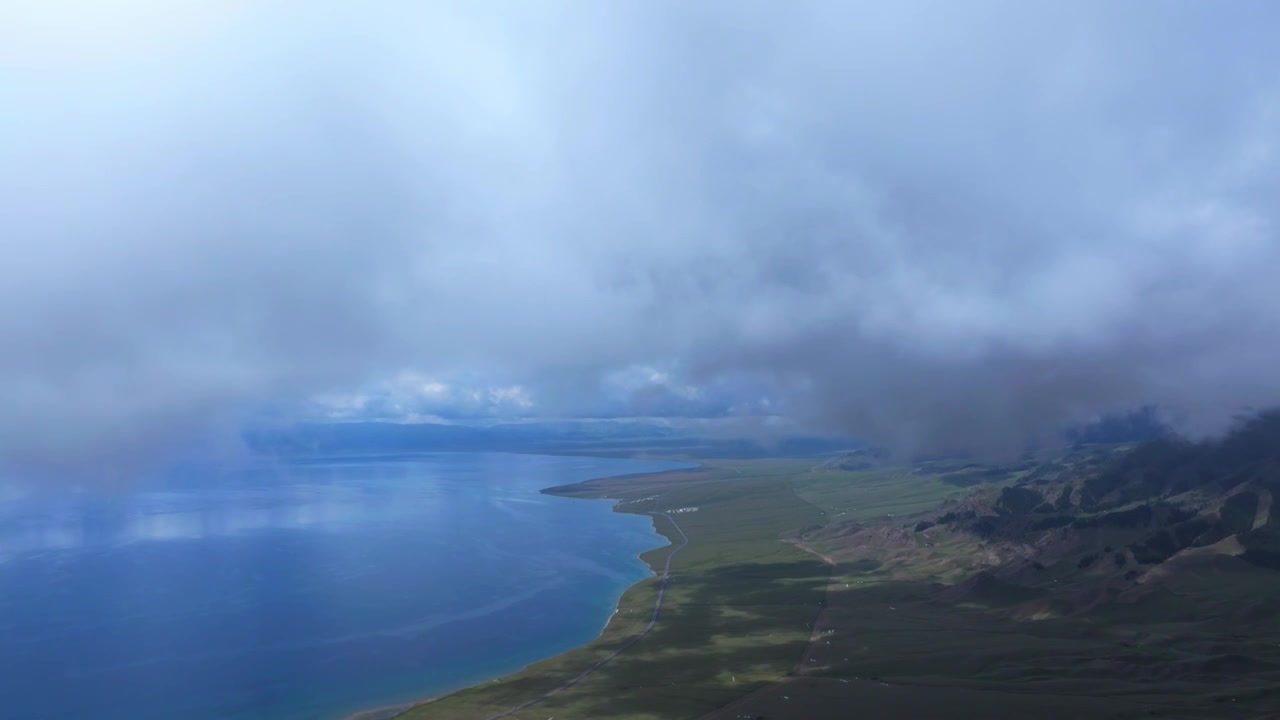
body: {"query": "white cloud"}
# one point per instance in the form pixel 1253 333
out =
pixel 414 397
pixel 899 219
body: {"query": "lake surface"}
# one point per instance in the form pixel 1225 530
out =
pixel 283 591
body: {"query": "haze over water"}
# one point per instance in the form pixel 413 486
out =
pixel 298 590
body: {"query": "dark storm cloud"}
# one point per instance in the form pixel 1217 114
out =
pixel 941 224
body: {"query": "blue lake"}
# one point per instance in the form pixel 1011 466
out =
pixel 283 591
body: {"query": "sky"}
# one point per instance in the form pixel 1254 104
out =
pixel 931 224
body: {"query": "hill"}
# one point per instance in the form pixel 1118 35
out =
pixel 1120 513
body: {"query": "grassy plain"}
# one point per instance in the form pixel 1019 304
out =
pixel 759 624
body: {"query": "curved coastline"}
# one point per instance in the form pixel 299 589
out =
pixel 395 710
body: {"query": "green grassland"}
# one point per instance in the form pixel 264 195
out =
pixel 805 592
pixel 890 649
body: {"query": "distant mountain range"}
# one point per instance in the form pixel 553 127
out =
pixel 626 437
pixel 595 437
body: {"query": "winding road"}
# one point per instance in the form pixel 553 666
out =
pixel 653 620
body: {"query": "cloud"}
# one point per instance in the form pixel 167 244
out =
pixel 634 391
pixel 412 397
pixel 932 223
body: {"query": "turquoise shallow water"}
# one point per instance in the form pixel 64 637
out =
pixel 283 591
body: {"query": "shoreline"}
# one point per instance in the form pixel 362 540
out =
pixel 395 710
pixel 386 712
